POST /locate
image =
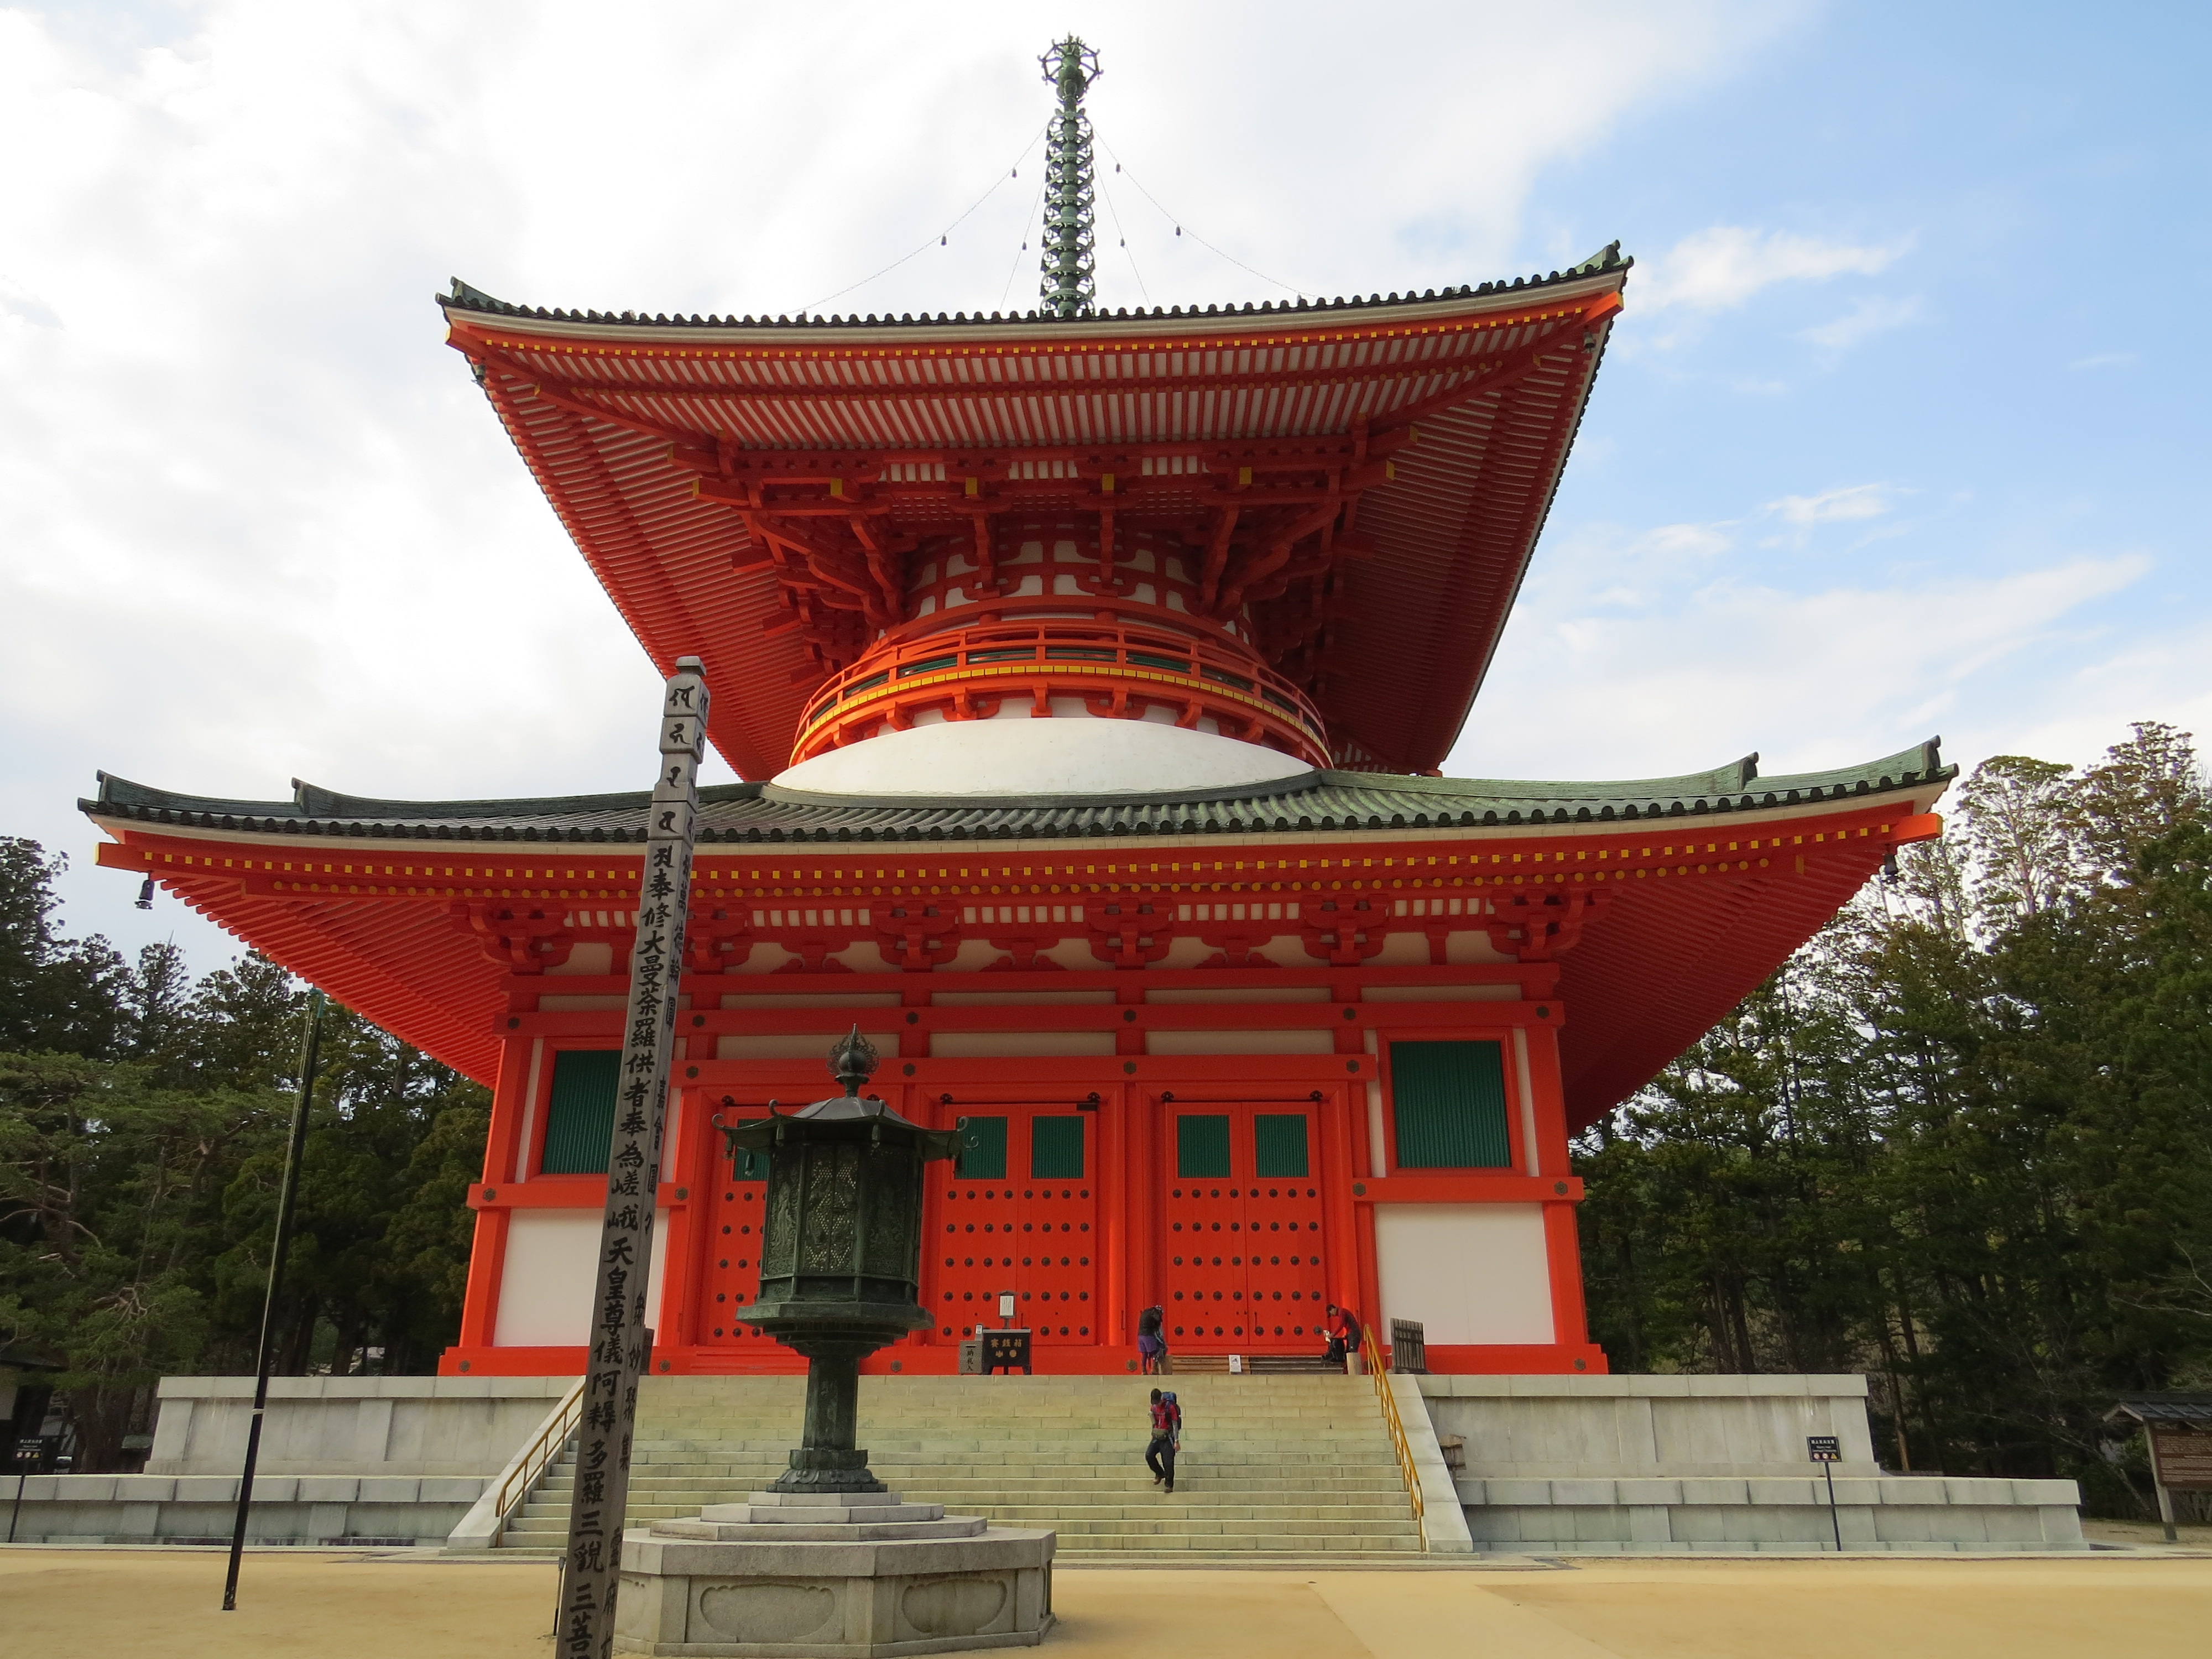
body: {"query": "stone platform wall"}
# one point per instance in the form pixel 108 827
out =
pixel 1612 1464
pixel 379 1458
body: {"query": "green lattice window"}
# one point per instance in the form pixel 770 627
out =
pixel 1201 1146
pixel 580 1118
pixel 1279 1144
pixel 983 1149
pixel 1056 1148
pixel 1449 1102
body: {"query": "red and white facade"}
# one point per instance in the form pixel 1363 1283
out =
pixel 1089 668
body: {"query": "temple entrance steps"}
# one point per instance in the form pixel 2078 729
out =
pixel 1255 1364
pixel 1274 1467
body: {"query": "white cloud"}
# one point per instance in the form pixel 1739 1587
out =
pixel 1811 679
pixel 20 307
pixel 1720 268
pixel 1868 500
pixel 1871 314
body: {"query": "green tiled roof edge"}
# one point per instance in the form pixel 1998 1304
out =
pixel 1316 803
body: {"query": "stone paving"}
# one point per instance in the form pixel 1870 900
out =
pixel 164 1604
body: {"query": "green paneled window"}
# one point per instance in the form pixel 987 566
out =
pixel 1201 1146
pixel 1279 1144
pixel 1056 1148
pixel 746 1165
pixel 580 1119
pixel 1449 1102
pixel 983 1149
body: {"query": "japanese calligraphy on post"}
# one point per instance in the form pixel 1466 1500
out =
pixel 591 1572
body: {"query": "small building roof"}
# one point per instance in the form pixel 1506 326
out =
pixel 2183 1408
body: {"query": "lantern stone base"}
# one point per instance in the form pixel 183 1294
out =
pixel 831 1576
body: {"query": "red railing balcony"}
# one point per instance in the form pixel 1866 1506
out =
pixel 1121 670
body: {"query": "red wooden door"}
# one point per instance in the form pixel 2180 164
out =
pixel 1016 1212
pixel 736 1210
pixel 1244 1249
pixel 1282 1230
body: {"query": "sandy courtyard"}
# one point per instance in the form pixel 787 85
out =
pixel 165 1605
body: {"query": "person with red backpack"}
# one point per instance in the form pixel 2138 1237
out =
pixel 1166 1441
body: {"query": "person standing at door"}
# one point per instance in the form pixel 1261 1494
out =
pixel 1152 1342
pixel 1166 1439
pixel 1343 1337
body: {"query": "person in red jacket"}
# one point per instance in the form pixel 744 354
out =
pixel 1343 1336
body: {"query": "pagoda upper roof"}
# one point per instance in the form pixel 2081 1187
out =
pixel 646 431
pixel 466 297
pixel 369 897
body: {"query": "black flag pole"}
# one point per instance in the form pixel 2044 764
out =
pixel 591 1569
pixel 287 1198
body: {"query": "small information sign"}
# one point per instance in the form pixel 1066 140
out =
pixel 1827 1450
pixel 1008 1350
pixel 2181 1456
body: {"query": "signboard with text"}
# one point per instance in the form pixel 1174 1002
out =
pixel 2181 1456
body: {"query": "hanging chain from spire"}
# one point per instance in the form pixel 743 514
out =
pixel 1070 288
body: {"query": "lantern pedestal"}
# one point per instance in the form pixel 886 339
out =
pixel 852 1575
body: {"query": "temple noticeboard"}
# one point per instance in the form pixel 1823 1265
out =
pixel 2181 1456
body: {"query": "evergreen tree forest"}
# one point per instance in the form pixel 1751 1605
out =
pixel 1961 1143
pixel 143 1120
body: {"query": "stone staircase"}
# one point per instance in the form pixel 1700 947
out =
pixel 1274 1467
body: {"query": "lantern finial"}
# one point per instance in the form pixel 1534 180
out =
pixel 852 1061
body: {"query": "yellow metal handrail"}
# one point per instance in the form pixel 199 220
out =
pixel 523 1474
pixel 1396 1425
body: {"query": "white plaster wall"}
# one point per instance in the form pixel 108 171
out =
pixel 1240 1042
pixel 1252 994
pixel 1440 993
pixel 1019 998
pixel 802 1045
pixel 545 1284
pixel 589 958
pixel 1024 756
pixel 1469 1273
pixel 812 1000
pixel 970 1045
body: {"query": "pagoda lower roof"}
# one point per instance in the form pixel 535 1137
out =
pixel 1709 880
pixel 1313 803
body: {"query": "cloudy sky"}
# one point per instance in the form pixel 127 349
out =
pixel 1904 431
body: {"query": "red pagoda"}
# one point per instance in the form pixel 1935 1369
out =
pixel 1091 673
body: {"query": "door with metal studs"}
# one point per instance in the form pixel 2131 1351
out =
pixel 1243 1257
pixel 736 1206
pixel 1017 1212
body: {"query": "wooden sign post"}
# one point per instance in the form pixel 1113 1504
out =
pixel 2180 1461
pixel 619 1343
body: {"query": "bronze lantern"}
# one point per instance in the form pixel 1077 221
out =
pixel 841 1254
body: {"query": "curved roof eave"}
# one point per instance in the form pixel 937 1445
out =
pixel 1608 268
